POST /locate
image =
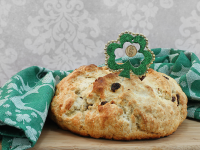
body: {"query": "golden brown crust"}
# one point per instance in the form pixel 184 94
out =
pixel 86 104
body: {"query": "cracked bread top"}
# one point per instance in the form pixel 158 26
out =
pixel 92 101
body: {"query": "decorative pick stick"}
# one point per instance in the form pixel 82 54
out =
pixel 126 68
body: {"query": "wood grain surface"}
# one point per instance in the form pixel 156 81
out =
pixel 186 137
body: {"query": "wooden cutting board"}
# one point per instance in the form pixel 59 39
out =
pixel 186 137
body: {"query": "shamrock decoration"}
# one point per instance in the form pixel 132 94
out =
pixel 130 51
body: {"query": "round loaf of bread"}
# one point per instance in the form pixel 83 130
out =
pixel 92 101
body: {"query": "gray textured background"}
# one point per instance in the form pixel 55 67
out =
pixel 65 34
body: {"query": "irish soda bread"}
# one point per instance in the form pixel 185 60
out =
pixel 92 101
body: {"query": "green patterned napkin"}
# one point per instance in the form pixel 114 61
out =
pixel 25 98
pixel 24 104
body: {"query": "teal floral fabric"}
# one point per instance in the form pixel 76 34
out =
pixel 25 98
pixel 24 103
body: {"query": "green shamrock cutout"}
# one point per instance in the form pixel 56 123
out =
pixel 125 68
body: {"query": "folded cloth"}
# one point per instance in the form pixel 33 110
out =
pixel 24 104
pixel 26 97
